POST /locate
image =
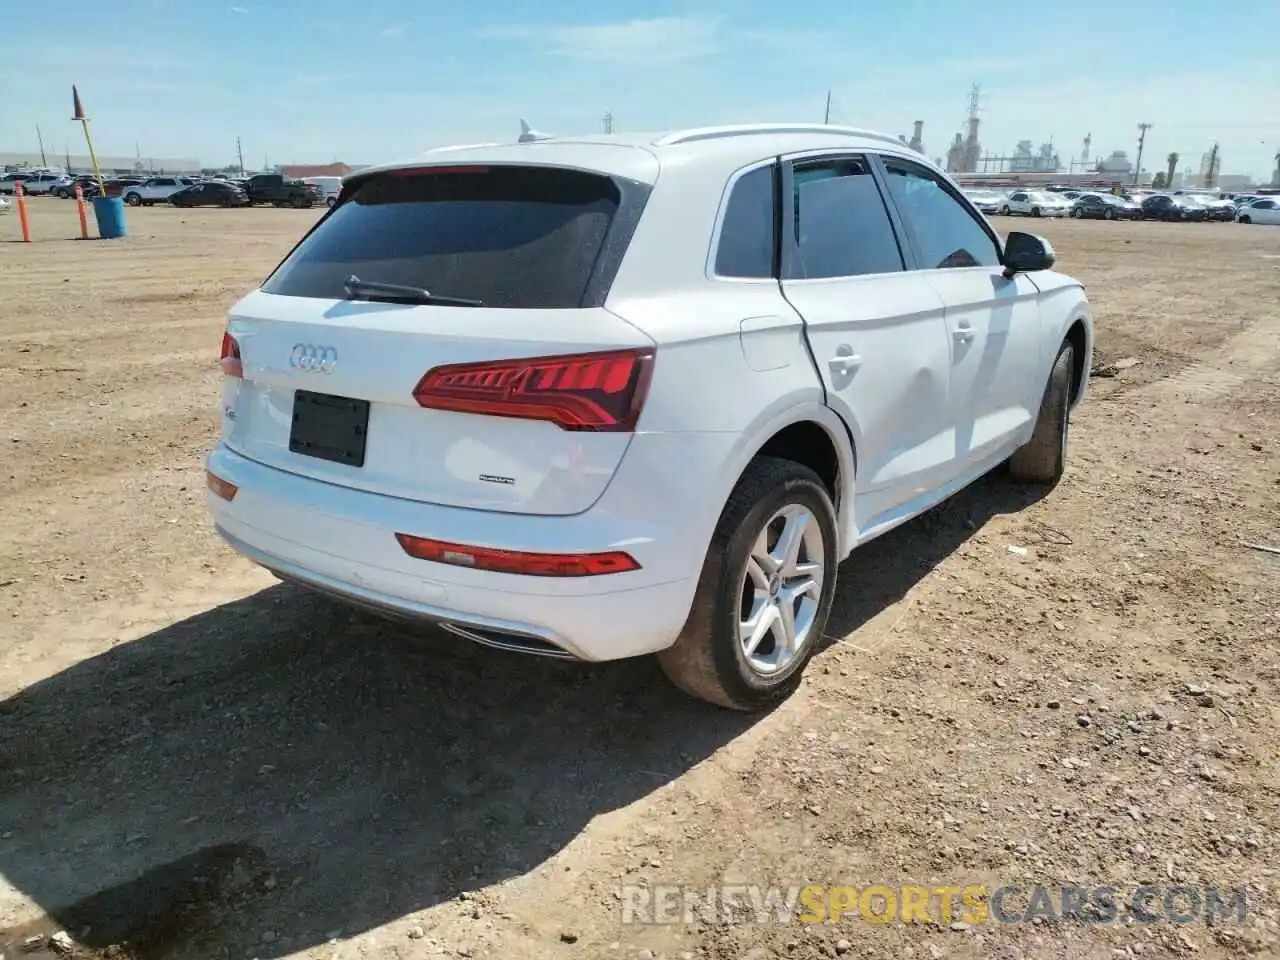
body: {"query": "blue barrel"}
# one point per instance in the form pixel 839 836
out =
pixel 109 212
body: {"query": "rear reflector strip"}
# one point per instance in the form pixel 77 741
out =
pixel 223 488
pixel 515 561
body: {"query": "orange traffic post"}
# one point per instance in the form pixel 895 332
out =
pixel 23 222
pixel 84 224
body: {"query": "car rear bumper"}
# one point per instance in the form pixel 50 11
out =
pixel 342 542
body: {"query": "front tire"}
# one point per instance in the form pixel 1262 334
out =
pixel 1044 457
pixel 1004 211
pixel 133 199
pixel 764 593
pixel 1246 219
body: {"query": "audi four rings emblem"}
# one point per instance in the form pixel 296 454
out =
pixel 313 358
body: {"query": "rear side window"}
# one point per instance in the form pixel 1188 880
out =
pixel 747 234
pixel 521 237
pixel 842 228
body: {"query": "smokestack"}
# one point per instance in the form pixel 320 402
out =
pixel 917 137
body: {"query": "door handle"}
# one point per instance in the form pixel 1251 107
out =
pixel 845 363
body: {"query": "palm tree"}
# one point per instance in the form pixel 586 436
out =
pixel 1173 168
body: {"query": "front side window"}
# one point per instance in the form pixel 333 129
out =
pixel 841 227
pixel 945 233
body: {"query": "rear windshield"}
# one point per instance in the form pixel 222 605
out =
pixel 523 237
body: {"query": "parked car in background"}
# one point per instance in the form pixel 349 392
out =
pixel 1161 206
pixel 987 201
pixel 1033 203
pixel 154 190
pixel 280 191
pixel 210 193
pixel 1262 210
pixel 39 184
pixel 539 438
pixel 65 188
pixel 327 187
pixel 115 187
pixel 9 182
pixel 5 205
pixel 1104 206
pixel 1218 208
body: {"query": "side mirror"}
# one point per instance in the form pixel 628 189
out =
pixel 1026 252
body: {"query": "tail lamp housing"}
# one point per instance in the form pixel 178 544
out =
pixel 602 391
pixel 229 360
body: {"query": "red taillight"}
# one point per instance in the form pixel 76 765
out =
pixel 516 561
pixel 589 391
pixel 230 359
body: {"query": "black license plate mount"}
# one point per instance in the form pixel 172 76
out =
pixel 328 427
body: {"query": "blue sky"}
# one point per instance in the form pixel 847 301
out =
pixel 365 82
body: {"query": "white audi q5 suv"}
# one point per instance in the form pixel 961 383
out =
pixel 619 395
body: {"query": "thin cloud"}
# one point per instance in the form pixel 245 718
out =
pixel 392 31
pixel 241 10
pixel 659 39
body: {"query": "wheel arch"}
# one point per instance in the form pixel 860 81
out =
pixel 1079 334
pixel 812 434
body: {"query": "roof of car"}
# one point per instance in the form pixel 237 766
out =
pixel 639 155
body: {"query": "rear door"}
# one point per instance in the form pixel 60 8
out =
pixel 876 332
pixel 992 322
pixel 337 388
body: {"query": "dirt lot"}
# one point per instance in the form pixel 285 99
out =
pixel 196 761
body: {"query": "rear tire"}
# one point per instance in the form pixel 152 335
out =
pixel 776 501
pixel 1035 211
pixel 1044 457
pixel 133 199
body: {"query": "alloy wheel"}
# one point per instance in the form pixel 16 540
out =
pixel 781 590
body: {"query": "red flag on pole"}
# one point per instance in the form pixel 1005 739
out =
pixel 75 95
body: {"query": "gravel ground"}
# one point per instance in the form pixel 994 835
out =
pixel 1075 689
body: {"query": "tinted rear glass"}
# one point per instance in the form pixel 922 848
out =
pixel 524 237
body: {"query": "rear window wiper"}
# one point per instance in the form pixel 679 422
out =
pixel 360 289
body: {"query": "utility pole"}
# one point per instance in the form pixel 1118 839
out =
pixel 240 156
pixel 826 116
pixel 1142 139
pixel 607 121
pixel 39 136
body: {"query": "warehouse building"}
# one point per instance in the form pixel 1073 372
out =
pixel 80 163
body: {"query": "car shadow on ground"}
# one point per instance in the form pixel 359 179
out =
pixel 257 778
pixel 282 766
pixel 882 572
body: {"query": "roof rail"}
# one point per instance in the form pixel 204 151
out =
pixel 462 146
pixel 753 129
